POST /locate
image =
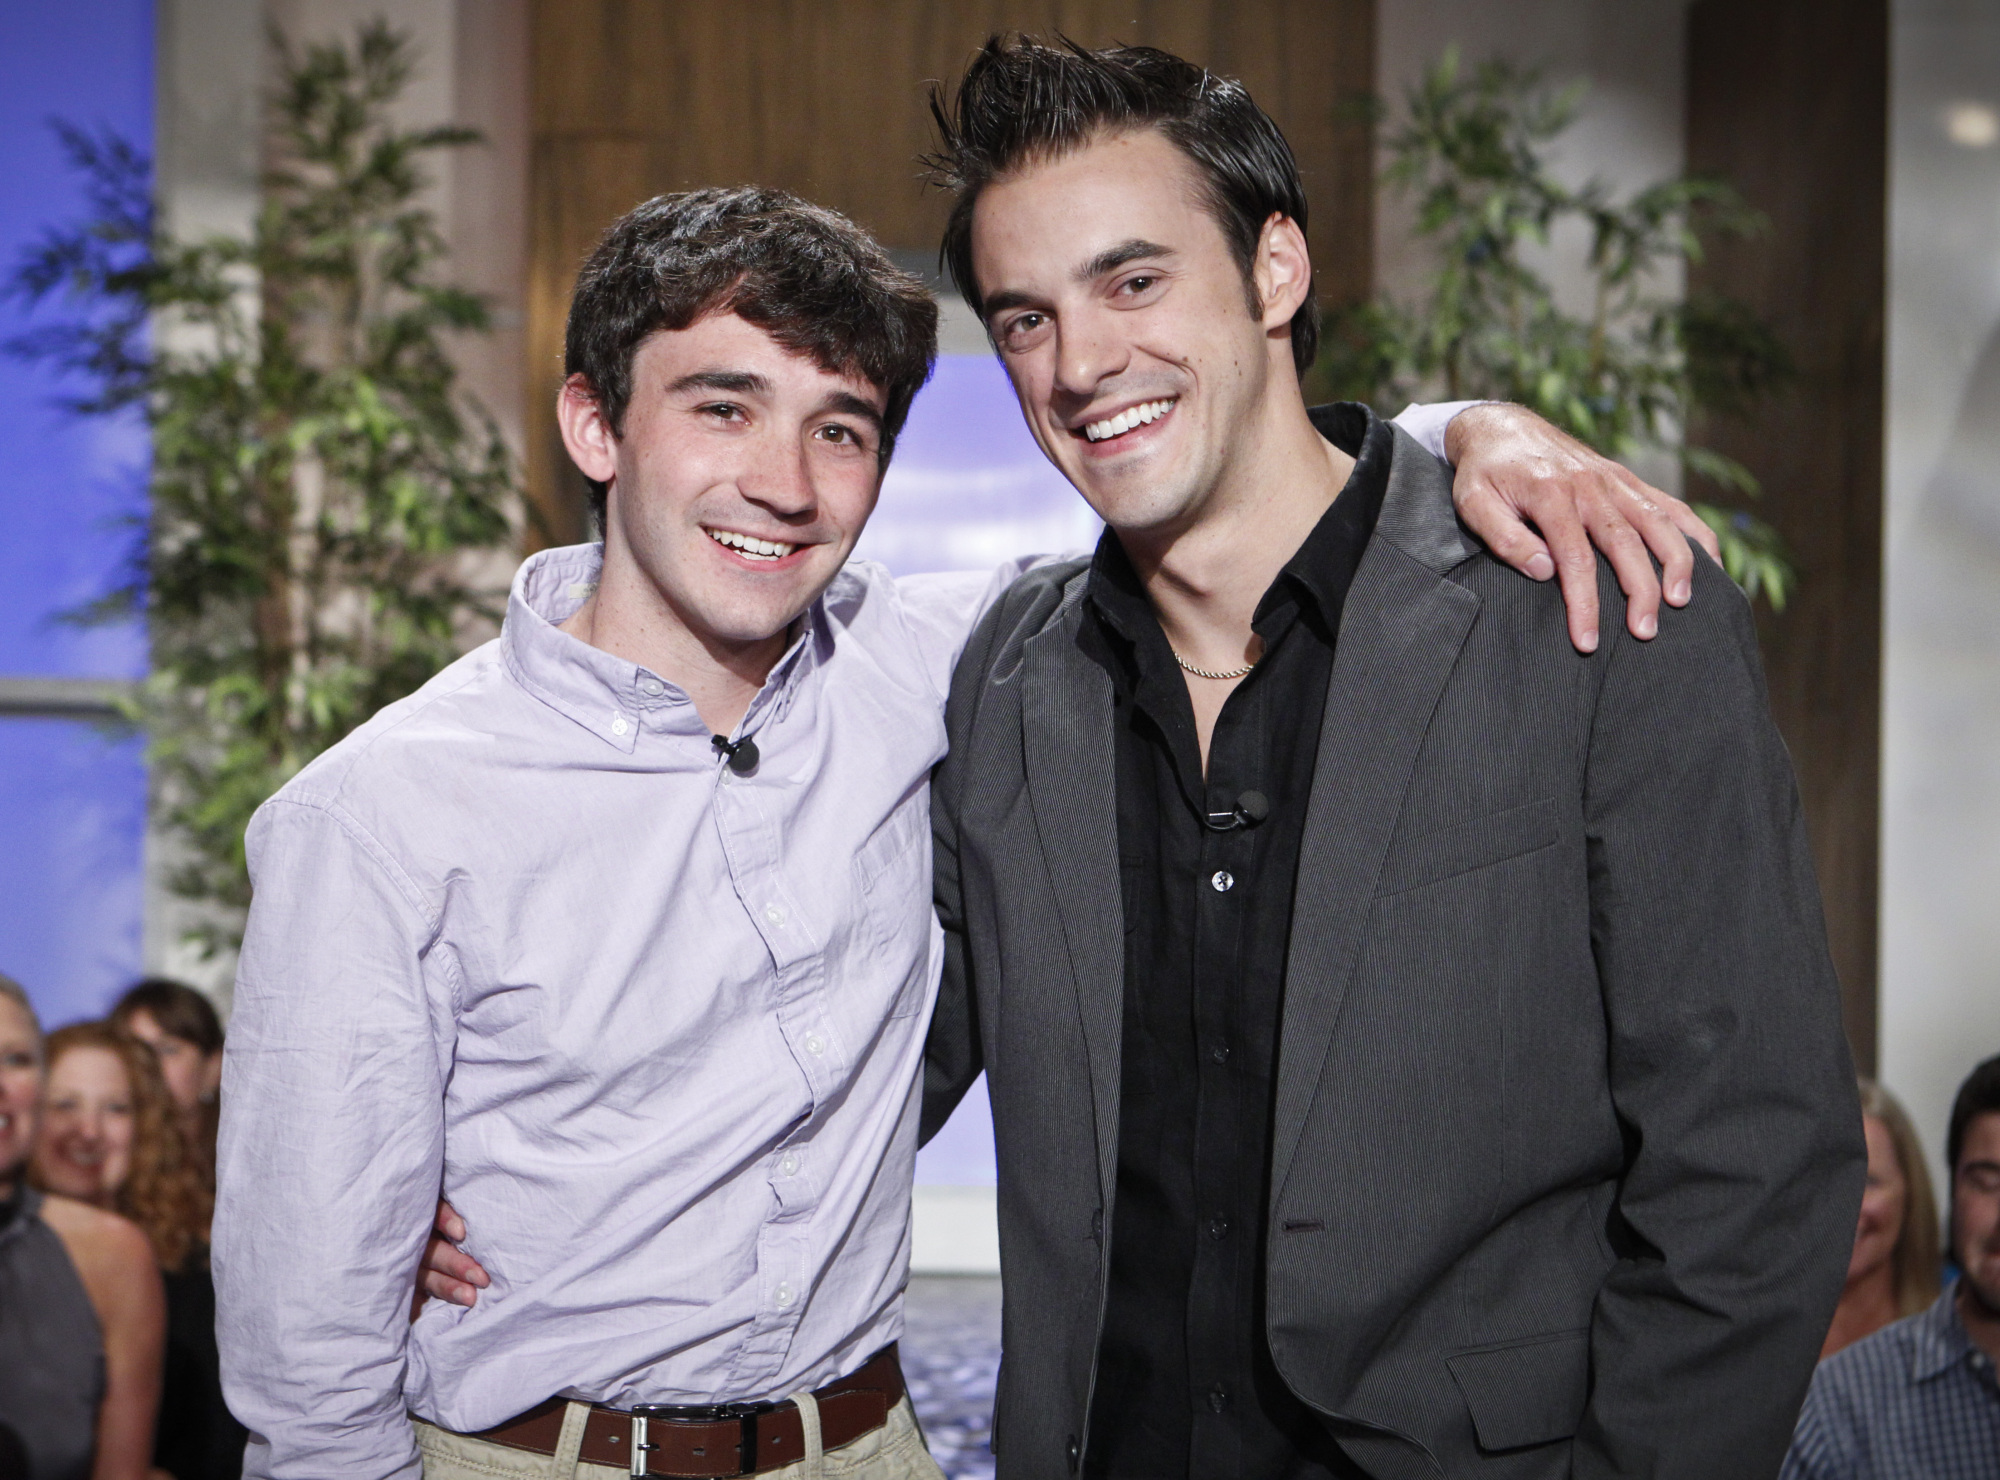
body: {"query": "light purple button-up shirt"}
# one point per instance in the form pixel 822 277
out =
pixel 654 1028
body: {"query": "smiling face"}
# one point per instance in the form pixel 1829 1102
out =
pixel 20 1088
pixel 743 477
pixel 85 1150
pixel 1126 325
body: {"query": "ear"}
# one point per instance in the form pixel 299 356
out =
pixel 1282 271
pixel 586 430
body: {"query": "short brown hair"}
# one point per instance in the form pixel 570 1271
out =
pixel 1023 101
pixel 1916 1261
pixel 164 1193
pixel 811 278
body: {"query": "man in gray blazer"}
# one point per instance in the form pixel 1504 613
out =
pixel 1412 1044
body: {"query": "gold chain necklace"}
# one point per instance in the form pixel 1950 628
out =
pixel 1205 673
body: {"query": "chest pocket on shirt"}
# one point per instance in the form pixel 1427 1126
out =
pixel 892 876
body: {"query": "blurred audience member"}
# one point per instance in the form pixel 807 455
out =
pixel 1918 1400
pixel 113 1138
pixel 1893 1271
pixel 180 1026
pixel 82 1316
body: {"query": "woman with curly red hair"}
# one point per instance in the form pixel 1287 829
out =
pixel 111 1137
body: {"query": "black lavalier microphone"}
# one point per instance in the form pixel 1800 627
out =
pixel 743 754
pixel 1251 808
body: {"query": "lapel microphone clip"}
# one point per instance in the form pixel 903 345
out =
pixel 1251 808
pixel 742 755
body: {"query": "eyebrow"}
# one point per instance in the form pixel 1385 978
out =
pixel 749 382
pixel 852 405
pixel 741 381
pixel 1107 261
pixel 1112 258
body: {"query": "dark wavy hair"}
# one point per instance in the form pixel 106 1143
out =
pixel 1023 101
pixel 811 278
pixel 181 1012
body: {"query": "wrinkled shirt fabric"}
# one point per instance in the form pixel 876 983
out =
pixel 654 1028
pixel 673 1017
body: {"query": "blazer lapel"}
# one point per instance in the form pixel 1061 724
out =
pixel 1073 788
pixel 1400 635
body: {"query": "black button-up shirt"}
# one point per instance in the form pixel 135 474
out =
pixel 1185 1382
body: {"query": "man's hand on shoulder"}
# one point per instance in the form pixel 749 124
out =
pixel 1540 500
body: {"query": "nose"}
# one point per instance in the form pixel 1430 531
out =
pixel 1089 352
pixel 780 480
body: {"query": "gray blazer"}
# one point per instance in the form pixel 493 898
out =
pixel 1567 1154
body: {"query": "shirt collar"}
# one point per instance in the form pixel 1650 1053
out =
pixel 1938 1340
pixel 612 697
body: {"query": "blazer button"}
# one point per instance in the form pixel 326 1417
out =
pixel 1075 1453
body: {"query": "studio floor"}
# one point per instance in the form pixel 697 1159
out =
pixel 951 1354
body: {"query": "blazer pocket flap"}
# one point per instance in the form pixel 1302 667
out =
pixel 1530 1392
pixel 1465 846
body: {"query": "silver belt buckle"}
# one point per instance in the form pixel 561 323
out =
pixel 641 1445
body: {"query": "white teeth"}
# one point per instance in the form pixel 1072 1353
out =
pixel 747 544
pixel 1130 417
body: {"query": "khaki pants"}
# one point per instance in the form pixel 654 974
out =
pixel 893 1452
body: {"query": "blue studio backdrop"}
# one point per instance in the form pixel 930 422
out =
pixel 72 798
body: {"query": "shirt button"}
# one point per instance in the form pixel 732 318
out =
pixel 1217 1399
pixel 789 1164
pixel 1218 1228
pixel 1222 881
pixel 619 724
pixel 1220 1053
pixel 815 1044
pixel 775 913
pixel 783 1296
pixel 652 688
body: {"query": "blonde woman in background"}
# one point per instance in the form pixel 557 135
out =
pixel 1895 1267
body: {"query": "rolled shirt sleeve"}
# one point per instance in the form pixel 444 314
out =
pixel 331 1147
pixel 1428 423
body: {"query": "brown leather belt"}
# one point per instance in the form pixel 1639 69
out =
pixel 716 1439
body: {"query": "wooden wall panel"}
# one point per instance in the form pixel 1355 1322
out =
pixel 827 98
pixel 1788 99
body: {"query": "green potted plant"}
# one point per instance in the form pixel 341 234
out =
pixel 1473 150
pixel 321 489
